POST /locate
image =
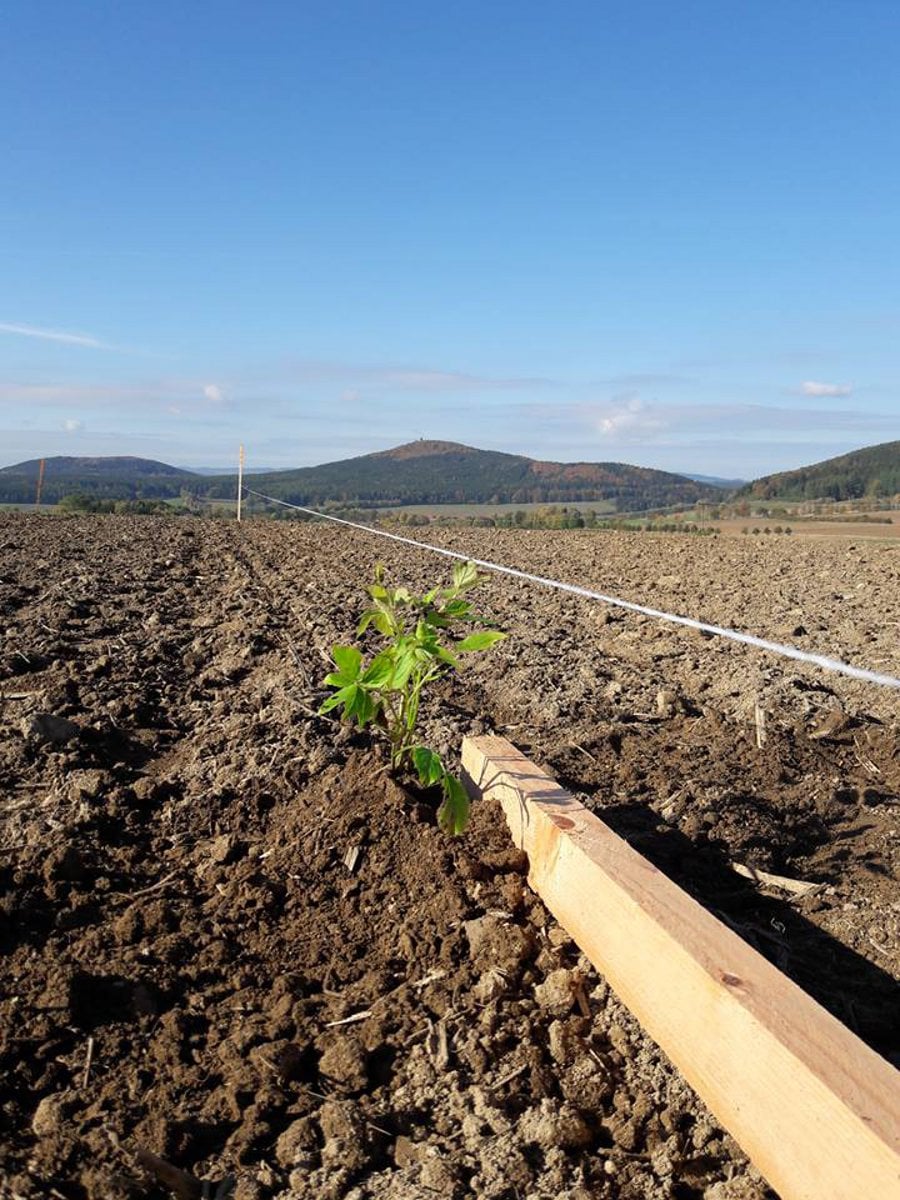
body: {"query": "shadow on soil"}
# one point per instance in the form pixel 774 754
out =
pixel 861 995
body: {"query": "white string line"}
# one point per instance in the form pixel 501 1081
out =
pixel 734 635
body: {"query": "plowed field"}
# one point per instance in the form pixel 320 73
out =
pixel 190 966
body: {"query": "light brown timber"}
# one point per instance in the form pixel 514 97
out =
pixel 815 1109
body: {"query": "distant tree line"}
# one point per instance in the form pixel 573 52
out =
pixel 627 497
pixel 552 517
pixel 77 502
pixel 22 489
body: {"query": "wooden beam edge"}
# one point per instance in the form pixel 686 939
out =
pixel 815 1108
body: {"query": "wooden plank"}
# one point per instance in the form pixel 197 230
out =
pixel 815 1109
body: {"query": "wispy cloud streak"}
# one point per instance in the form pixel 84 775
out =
pixel 55 335
pixel 148 395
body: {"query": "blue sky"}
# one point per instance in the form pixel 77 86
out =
pixel 644 232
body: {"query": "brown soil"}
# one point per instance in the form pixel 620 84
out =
pixel 184 942
pixel 856 530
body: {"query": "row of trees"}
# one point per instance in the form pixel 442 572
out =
pixel 77 502
pixel 552 517
pixel 22 489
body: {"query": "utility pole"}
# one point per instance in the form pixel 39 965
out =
pixel 240 481
pixel 40 484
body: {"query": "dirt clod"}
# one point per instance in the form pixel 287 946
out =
pixel 45 727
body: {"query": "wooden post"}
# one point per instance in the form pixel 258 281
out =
pixel 40 484
pixel 240 493
pixel 815 1109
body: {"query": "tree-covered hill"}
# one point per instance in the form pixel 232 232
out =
pixel 873 471
pixel 420 472
pixel 427 472
pixel 116 478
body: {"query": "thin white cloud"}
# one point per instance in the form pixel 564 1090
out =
pixel 189 395
pixel 811 388
pixel 73 426
pixel 628 416
pixel 630 421
pixel 53 395
pixel 55 335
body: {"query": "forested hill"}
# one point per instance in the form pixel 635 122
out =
pixel 416 473
pixel 873 471
pixel 121 478
pixel 427 472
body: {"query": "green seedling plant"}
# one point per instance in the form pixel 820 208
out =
pixel 420 647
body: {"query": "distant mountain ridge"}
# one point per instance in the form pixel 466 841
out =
pixel 872 471
pixel 420 472
pixel 440 472
pixel 64 465
pixel 217 471
pixel 122 477
pixel 433 472
pixel 727 485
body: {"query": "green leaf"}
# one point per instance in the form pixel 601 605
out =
pixel 428 765
pixel 380 670
pixel 453 815
pixel 446 657
pixel 479 641
pixel 465 575
pixel 457 610
pixel 349 660
pixel 341 697
pixel 362 706
pixel 438 620
pixel 403 667
pixel 378 618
